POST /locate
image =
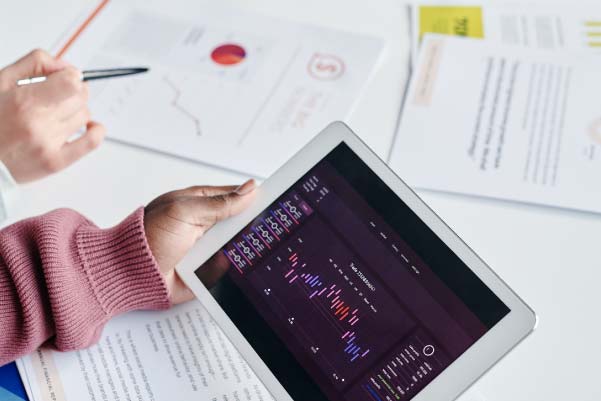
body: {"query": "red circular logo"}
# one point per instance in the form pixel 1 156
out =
pixel 228 54
pixel 325 67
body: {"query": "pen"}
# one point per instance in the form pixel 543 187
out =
pixel 91 75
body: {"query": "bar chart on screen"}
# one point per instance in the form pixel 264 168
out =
pixel 330 302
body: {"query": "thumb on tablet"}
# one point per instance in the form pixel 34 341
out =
pixel 174 221
pixel 212 209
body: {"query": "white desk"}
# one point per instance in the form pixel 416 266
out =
pixel 551 257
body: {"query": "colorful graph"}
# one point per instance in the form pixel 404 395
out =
pixel 228 54
pixel 332 297
pixel 267 230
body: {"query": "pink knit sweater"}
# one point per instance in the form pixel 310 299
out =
pixel 62 278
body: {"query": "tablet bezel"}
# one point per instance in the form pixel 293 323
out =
pixel 452 381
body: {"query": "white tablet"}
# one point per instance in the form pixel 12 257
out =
pixel 344 286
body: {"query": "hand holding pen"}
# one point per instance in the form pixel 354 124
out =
pixel 38 120
pixel 89 75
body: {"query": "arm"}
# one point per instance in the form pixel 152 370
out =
pixel 62 278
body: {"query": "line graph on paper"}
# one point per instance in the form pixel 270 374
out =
pixel 201 75
pixel 177 105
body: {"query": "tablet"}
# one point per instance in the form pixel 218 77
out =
pixel 344 286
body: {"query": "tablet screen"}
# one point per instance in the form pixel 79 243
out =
pixel 346 294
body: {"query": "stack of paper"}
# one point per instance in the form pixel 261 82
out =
pixel 511 111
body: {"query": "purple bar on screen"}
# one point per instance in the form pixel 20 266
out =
pixel 306 208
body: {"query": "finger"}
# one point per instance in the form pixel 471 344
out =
pixel 60 86
pixel 73 151
pixel 205 190
pixel 74 123
pixel 194 191
pixel 36 63
pixel 212 209
pixel 213 269
pixel 204 212
pixel 247 187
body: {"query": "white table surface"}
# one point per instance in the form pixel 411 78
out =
pixel 551 257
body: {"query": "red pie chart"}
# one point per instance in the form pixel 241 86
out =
pixel 228 54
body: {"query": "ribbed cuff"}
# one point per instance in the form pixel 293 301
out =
pixel 121 268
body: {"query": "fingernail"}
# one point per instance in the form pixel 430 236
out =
pixel 246 188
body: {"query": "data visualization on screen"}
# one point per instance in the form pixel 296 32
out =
pixel 340 283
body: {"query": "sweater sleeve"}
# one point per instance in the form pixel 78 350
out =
pixel 62 278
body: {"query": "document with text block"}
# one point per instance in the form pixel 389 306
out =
pixel 555 27
pixel 180 354
pixel 503 122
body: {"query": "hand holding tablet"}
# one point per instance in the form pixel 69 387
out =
pixel 344 285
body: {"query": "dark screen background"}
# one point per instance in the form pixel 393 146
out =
pixel 346 294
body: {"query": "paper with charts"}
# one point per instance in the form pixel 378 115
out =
pixel 236 90
pixel 503 122
pixel 553 27
pixel 178 354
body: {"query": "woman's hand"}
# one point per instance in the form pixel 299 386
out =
pixel 37 120
pixel 176 220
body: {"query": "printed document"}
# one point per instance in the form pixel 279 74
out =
pixel 179 354
pixel 503 122
pixel 546 26
pixel 236 90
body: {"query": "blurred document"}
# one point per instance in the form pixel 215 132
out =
pixel 503 122
pixel 236 90
pixel 568 26
pixel 180 354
